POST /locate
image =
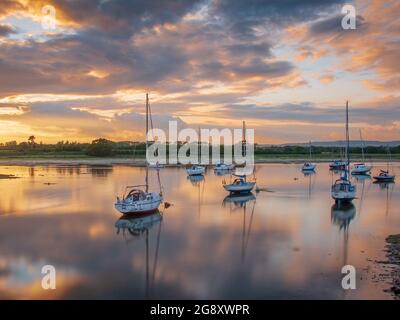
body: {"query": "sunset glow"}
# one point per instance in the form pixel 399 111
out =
pixel 285 69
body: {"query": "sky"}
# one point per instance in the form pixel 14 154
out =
pixel 286 67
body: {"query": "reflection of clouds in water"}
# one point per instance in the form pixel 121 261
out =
pixel 199 257
pixel 21 278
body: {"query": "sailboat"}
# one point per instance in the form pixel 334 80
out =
pixel 240 183
pixel 220 166
pixel 384 175
pixel 343 190
pixel 196 169
pixel 362 167
pixel 338 164
pixel 308 166
pixel 137 199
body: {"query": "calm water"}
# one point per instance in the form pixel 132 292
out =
pixel 287 242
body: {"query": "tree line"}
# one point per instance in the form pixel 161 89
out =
pixel 106 148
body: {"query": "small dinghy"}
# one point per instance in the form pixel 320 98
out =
pixel 239 185
pixel 195 170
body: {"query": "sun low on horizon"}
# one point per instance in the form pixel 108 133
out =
pixel 287 69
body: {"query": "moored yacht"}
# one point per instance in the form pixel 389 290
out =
pixel 220 166
pixel 385 175
pixel 137 199
pixel 362 167
pixel 195 170
pixel 239 185
pixel 337 165
pixel 308 166
pixel 343 190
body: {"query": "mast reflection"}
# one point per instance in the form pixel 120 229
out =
pixel 136 227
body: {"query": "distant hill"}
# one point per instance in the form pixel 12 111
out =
pixel 339 143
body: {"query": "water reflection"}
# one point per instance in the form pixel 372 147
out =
pixel 272 244
pixel 100 171
pixel 361 177
pixel 342 215
pixel 195 180
pixel 241 202
pixel 133 228
pixel 388 188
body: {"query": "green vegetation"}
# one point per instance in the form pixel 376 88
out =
pixel 128 149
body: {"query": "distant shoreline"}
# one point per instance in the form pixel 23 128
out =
pixel 141 162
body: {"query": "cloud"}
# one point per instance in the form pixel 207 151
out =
pixel 201 60
pixel 370 47
pixel 308 112
pixel 10 6
pixel 6 30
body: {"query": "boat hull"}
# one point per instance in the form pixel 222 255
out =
pixel 242 188
pixel 139 207
pixel 343 196
pixel 310 167
pixel 224 167
pixel 384 179
pixel 361 170
pixel 195 171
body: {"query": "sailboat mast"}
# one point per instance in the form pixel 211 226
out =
pixel 362 146
pixel 244 143
pixel 199 146
pixel 347 134
pixel 147 130
pixel 310 151
pixel 147 118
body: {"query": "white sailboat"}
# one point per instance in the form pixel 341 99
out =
pixel 385 175
pixel 239 185
pixel 362 167
pixel 343 190
pixel 196 169
pixel 220 166
pixel 309 166
pixel 338 164
pixel 137 199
